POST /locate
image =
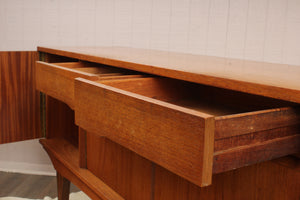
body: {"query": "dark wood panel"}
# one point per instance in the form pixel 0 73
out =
pixel 82 147
pixel 276 180
pixel 127 173
pixel 60 121
pixel 19 100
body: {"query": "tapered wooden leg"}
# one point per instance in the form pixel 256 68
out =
pixel 63 187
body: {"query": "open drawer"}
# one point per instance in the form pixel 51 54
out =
pixel 57 79
pixel 190 129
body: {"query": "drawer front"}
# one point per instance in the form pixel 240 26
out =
pixel 183 126
pixel 57 79
pixel 174 137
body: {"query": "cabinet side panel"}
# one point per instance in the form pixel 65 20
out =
pixel 19 100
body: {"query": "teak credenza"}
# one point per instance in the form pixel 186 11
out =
pixel 125 123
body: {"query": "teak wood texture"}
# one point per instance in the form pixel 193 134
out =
pixel 141 136
pixel 180 135
pixel 131 175
pixel 134 177
pixel 19 99
pixel 276 180
pixel 179 139
pixel 57 79
pixel 267 79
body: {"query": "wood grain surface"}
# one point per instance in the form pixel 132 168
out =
pixel 112 169
pixel 274 132
pixel 245 123
pixel 255 153
pixel 123 170
pixel 267 79
pixel 276 180
pixel 82 147
pixel 57 79
pixel 19 99
pixel 177 138
pixel 63 187
pixel 255 137
pixel 65 158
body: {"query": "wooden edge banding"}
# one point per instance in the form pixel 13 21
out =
pixel 255 137
pixel 208 151
pixel 80 81
pixel 69 72
pixel 287 94
pixel 112 78
pixel 110 82
pixel 241 124
pixel 250 154
pixel 69 64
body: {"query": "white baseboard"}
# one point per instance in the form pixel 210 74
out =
pixel 26 157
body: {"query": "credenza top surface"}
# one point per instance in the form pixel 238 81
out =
pixel 279 81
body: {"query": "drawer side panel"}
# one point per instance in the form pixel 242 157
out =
pixel 245 123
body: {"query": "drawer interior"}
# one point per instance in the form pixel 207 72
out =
pixel 57 79
pixel 247 128
pixel 177 124
pixel 94 68
pixel 205 99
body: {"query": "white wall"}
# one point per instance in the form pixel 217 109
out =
pixel 263 30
